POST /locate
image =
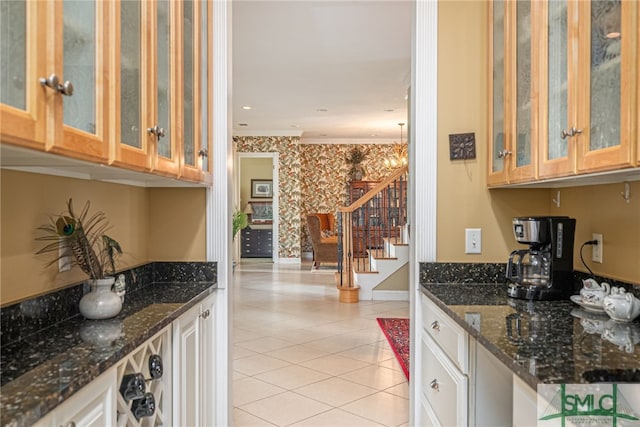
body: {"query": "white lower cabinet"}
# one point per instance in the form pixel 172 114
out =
pixel 180 393
pixel 525 401
pixel 194 364
pixel 94 405
pixel 462 383
pixel 444 385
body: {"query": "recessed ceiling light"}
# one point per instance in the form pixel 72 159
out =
pixel 295 126
pixel 246 107
pixel 322 110
pixel 373 134
pixel 242 124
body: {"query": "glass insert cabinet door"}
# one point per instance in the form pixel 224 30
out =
pixel 81 62
pixel 523 134
pixel 589 61
pixel 162 129
pixel 497 45
pixel 22 101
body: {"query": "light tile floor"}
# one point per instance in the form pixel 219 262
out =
pixel 301 358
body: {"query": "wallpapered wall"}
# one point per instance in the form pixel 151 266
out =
pixel 313 178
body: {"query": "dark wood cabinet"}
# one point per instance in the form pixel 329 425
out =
pixel 257 242
pixel 378 218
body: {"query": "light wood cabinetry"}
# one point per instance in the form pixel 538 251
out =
pixel 141 76
pixel 94 405
pixel 564 89
pixel 194 364
pixel 59 94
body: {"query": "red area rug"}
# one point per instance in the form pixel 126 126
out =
pixel 397 332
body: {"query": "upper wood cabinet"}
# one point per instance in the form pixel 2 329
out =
pixel 163 125
pixel 513 131
pixel 55 77
pixel 587 105
pixel 564 89
pixel 141 77
pixel 196 89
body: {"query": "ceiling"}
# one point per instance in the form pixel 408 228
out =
pixel 326 70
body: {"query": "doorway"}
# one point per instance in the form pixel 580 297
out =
pixel 257 194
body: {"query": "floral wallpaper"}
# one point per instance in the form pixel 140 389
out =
pixel 325 177
pixel 313 178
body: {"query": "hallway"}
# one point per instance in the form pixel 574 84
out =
pixel 300 358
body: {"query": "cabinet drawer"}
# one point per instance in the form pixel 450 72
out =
pixel 444 387
pixel 450 337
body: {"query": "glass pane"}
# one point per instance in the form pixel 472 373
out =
pixel 523 85
pixel 164 144
pixel 605 73
pixel 189 157
pixel 130 73
pixel 13 53
pixel 79 64
pixel 498 85
pixel 204 82
pixel 558 99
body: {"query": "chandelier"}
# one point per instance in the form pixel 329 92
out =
pixel 398 157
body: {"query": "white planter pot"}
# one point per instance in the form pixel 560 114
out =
pixel 101 302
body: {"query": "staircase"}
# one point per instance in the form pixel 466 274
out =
pixel 373 236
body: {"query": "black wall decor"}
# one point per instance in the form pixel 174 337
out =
pixel 462 146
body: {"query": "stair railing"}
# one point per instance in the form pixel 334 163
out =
pixel 379 215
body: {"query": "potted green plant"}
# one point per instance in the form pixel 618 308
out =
pixel 83 238
pixel 240 221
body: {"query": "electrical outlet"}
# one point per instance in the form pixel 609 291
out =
pixel 473 319
pixel 472 240
pixel 596 250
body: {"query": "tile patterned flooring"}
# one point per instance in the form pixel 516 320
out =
pixel 301 358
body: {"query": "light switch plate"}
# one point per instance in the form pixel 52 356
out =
pixel 472 240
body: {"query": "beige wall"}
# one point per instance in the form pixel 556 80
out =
pixel 463 198
pixel 177 224
pixel 253 168
pixel 142 220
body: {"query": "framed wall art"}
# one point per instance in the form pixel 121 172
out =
pixel 261 188
pixel 262 211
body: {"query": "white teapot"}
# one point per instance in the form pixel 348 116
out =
pixel 621 306
pixel 593 293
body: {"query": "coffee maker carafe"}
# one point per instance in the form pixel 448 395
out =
pixel 543 271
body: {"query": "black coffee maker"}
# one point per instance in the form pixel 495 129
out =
pixel 545 270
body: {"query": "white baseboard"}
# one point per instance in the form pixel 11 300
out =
pixel 390 295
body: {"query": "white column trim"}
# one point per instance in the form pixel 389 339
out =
pixel 423 136
pixel 219 205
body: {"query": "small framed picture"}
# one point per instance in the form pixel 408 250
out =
pixel 261 188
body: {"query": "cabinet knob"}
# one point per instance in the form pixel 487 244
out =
pixel 571 132
pixel 504 153
pixel 53 82
pixel 434 384
pixel 435 326
pixel 157 131
pixel 203 153
pixel 205 314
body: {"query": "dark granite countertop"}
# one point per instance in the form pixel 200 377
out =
pixel 42 370
pixel 544 341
